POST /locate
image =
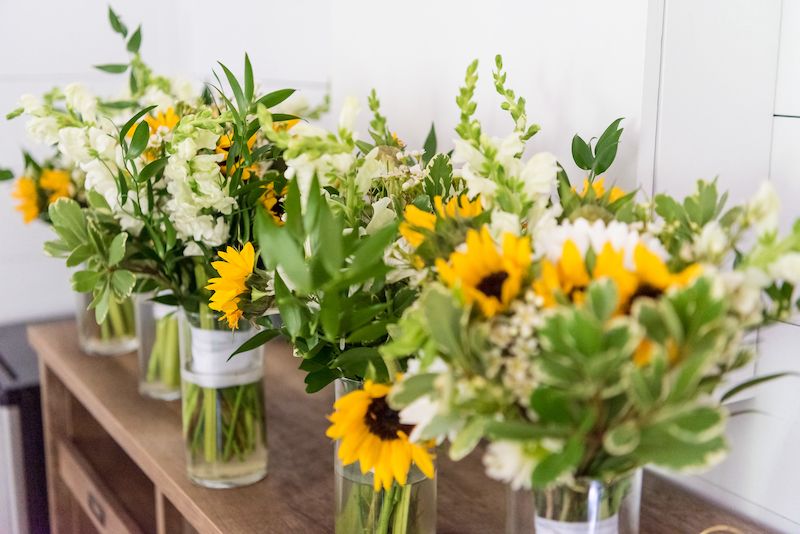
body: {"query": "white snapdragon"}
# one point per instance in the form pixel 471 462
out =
pixel 743 290
pixel 507 461
pixel 539 175
pixel 154 96
pixel 712 242
pixel 762 211
pixel 786 268
pixel 80 100
pixel 503 223
pixel 382 215
pixel 31 104
pixel 349 114
pixel 42 129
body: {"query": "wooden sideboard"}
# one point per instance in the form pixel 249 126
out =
pixel 115 461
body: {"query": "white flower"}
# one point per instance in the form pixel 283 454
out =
pixel 31 104
pixel 477 184
pixel 506 461
pixel 382 215
pixel 507 147
pixel 192 249
pixel 503 223
pixel 350 110
pixel 154 96
pixel 369 170
pixel 72 143
pixel 762 211
pixel 297 104
pixel 79 99
pixel 419 413
pixel 184 90
pixel 712 242
pixel 464 152
pixel 743 289
pixel 786 268
pixel 42 129
pixel 539 175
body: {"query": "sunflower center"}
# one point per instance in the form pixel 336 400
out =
pixel 646 290
pixel 382 421
pixel 492 285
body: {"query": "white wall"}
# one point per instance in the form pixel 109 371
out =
pixel 726 104
pixel 578 62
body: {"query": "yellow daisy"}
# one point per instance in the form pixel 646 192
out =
pixel 568 277
pixel 370 433
pixel 28 197
pixel 598 186
pixel 234 270
pixel 57 182
pixel 418 221
pixel 485 275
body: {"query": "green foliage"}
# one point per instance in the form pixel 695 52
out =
pixel 515 106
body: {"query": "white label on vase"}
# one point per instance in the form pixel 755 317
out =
pixel 212 348
pixel 551 526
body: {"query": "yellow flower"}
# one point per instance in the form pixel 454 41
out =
pixel 484 274
pixel 57 182
pixel 568 277
pixel 234 271
pixel 598 186
pixel 28 198
pixel 284 126
pixel 167 120
pixel 654 275
pixel 644 352
pixel 371 434
pixel 416 220
pixel 273 202
pixel 223 147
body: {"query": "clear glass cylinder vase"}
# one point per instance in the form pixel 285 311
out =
pixel 116 335
pixel 224 421
pixel 582 506
pixel 408 509
pixel 159 348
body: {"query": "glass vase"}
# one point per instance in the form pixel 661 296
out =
pixel 582 506
pixel 116 335
pixel 159 353
pixel 224 422
pixel 409 509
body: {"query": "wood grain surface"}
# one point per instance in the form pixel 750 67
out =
pixel 297 494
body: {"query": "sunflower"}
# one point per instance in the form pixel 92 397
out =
pixel 224 146
pixel 370 433
pixel 28 198
pixel 485 275
pixel 418 221
pixel 570 277
pixel 273 202
pixel 598 186
pixel 234 270
pixel 57 182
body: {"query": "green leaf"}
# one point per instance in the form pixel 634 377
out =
pixel 330 239
pixel 410 389
pixel 113 68
pixel 277 246
pixel 440 310
pixel 79 255
pixel 467 438
pixel 582 153
pixel 6 174
pixel 551 405
pixel 238 94
pixel 355 357
pixel 248 79
pixel 429 146
pixel 152 169
pixel 139 141
pixel 557 464
pixel 135 41
pixel 622 439
pixel 256 341
pixel 520 431
pixel 116 23
pixel 128 125
pixel 68 221
pixel 97 201
pixel 122 283
pixel 317 380
pixel 753 382
pixel 116 251
pixel 606 148
pixel 274 98
pixel 85 281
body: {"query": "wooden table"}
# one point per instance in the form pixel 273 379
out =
pixel 115 460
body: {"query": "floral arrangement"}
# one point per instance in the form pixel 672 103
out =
pixel 583 335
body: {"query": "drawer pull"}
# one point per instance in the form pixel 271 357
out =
pixel 97 509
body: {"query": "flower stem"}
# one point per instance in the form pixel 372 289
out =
pixel 386 510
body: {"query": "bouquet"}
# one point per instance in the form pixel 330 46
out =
pixel 583 335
